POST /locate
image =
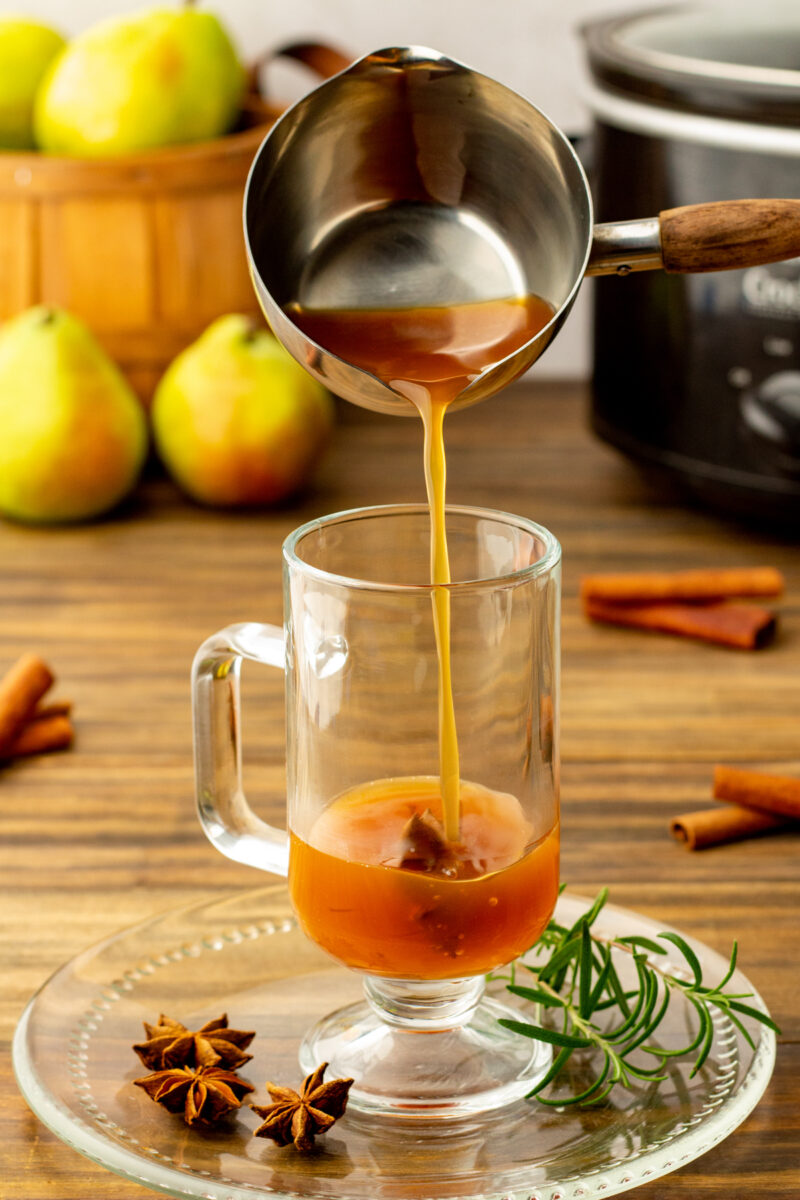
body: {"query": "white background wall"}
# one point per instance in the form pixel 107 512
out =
pixel 531 45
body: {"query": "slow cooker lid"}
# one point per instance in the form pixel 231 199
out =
pixel 739 63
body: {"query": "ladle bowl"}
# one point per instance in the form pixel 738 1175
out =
pixel 409 180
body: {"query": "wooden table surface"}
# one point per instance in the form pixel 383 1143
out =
pixel 93 839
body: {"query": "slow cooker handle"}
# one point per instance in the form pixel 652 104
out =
pixel 717 236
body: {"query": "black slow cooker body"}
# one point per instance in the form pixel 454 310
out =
pixel 698 376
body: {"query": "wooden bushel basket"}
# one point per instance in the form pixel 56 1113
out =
pixel 147 249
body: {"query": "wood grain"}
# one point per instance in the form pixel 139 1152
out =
pixel 729 233
pixel 99 836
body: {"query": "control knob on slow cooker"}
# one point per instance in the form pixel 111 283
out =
pixel 771 416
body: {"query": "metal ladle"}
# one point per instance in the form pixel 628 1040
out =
pixel 409 180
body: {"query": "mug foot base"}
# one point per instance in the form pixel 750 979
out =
pixel 469 1068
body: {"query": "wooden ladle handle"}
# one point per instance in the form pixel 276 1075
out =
pixel 729 233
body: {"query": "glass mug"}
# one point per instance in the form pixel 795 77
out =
pixel 371 877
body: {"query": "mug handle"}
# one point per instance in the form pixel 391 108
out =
pixel 227 819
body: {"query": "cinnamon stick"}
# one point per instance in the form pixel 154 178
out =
pixel 697 586
pixel 41 735
pixel 56 708
pixel 715 826
pixel 742 626
pixel 775 794
pixel 21 689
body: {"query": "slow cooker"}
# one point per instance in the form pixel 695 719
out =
pixel 699 376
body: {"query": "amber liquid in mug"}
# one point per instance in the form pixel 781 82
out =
pixel 428 355
pixel 484 906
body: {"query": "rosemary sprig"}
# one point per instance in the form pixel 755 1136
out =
pixel 578 980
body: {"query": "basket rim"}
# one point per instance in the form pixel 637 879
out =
pixel 31 171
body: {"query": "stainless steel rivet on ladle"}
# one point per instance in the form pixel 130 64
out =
pixel 409 180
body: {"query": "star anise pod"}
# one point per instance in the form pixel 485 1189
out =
pixel 170 1044
pixel 202 1094
pixel 299 1118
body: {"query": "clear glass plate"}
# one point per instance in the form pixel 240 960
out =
pixel 244 955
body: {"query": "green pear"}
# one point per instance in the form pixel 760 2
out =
pixel 135 82
pixel 74 435
pixel 236 420
pixel 26 50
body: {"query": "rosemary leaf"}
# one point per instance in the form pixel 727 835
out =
pixel 642 943
pixel 731 967
pixel 755 1013
pixel 559 1061
pixel 540 1034
pixel 585 973
pixel 574 973
pixel 688 953
pixel 536 995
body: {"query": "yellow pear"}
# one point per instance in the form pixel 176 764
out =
pixel 236 420
pixel 74 435
pixel 26 50
pixel 138 81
